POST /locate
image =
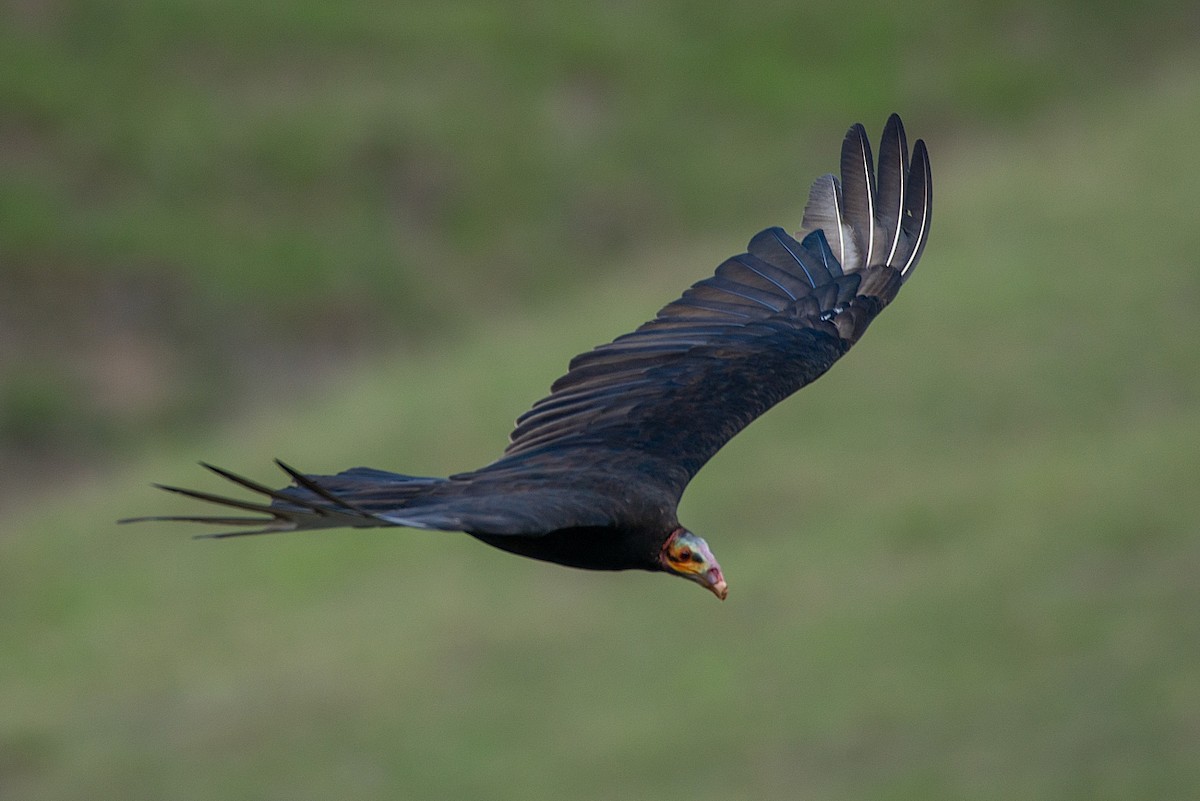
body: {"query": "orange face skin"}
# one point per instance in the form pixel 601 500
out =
pixel 688 556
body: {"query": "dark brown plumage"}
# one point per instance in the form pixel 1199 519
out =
pixel 594 471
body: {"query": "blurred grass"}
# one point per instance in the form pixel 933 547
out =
pixel 340 155
pixel 962 564
pixel 209 193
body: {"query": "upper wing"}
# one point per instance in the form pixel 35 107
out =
pixel 663 399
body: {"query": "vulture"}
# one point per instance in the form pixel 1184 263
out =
pixel 594 471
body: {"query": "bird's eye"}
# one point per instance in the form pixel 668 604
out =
pixel 685 555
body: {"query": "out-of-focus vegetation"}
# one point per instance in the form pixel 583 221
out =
pixel 204 206
pixel 962 565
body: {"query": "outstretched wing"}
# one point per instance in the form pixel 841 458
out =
pixel 663 399
pixel 650 408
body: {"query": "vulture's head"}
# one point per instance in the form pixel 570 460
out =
pixel 687 555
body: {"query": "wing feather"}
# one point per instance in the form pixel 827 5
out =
pixel 776 247
pixel 662 399
pixel 749 272
pixel 893 172
pixel 858 191
pixel 918 208
pixel 826 212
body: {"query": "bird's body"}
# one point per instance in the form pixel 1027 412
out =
pixel 595 470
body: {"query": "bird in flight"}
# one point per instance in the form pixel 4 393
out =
pixel 593 473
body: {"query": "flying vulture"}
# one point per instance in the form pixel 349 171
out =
pixel 594 471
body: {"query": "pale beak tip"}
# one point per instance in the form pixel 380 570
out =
pixel 721 589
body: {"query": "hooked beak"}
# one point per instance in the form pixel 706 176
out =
pixel 715 583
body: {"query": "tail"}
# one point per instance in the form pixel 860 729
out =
pixel 358 498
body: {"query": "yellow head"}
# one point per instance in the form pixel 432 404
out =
pixel 687 555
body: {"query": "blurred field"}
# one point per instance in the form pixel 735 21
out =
pixel 963 565
pixel 207 206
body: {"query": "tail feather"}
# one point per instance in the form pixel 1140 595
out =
pixel 358 498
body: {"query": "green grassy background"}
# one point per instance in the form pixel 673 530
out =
pixel 962 566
